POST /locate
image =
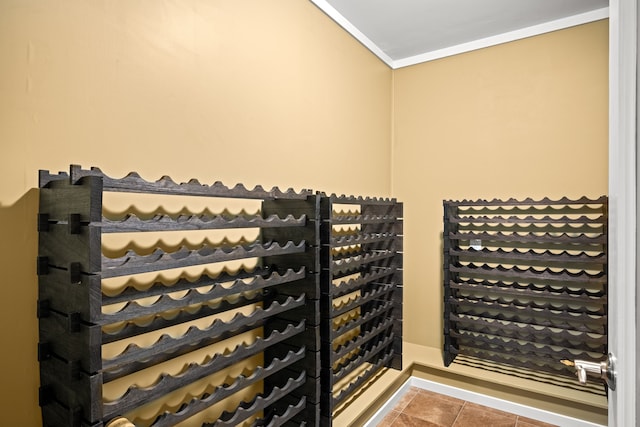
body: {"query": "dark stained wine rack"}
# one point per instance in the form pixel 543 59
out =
pixel 299 266
pixel 276 298
pixel 525 282
pixel 361 294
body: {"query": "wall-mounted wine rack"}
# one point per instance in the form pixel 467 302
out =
pixel 525 282
pixel 277 300
pixel 361 294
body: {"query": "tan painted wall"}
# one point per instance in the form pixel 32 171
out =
pixel 275 93
pixel 270 93
pixel 527 118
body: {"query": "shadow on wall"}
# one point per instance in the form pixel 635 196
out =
pixel 18 319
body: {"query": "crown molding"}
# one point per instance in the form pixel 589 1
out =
pixel 355 32
pixel 547 27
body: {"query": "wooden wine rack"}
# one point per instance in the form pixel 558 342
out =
pixel 287 302
pixel 74 325
pixel 361 294
pixel 525 282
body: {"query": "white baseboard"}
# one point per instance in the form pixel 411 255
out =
pixel 481 399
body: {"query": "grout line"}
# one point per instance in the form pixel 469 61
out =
pixel 459 412
pixel 410 400
pixel 392 420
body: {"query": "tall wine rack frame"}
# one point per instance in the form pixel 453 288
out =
pixel 525 282
pixel 71 304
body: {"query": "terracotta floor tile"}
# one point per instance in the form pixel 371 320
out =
pixel 528 422
pixel 473 415
pixel 424 408
pixel 440 396
pixel 470 405
pixel 388 420
pixel 404 420
pixel 406 398
pixel 435 408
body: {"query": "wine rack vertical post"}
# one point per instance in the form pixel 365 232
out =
pixel 70 300
pixel 450 226
pixel 310 260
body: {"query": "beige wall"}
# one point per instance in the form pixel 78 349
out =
pixel 275 93
pixel 270 93
pixel 527 118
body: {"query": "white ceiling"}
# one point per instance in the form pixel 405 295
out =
pixel 407 32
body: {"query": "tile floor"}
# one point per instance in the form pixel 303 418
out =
pixel 422 408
